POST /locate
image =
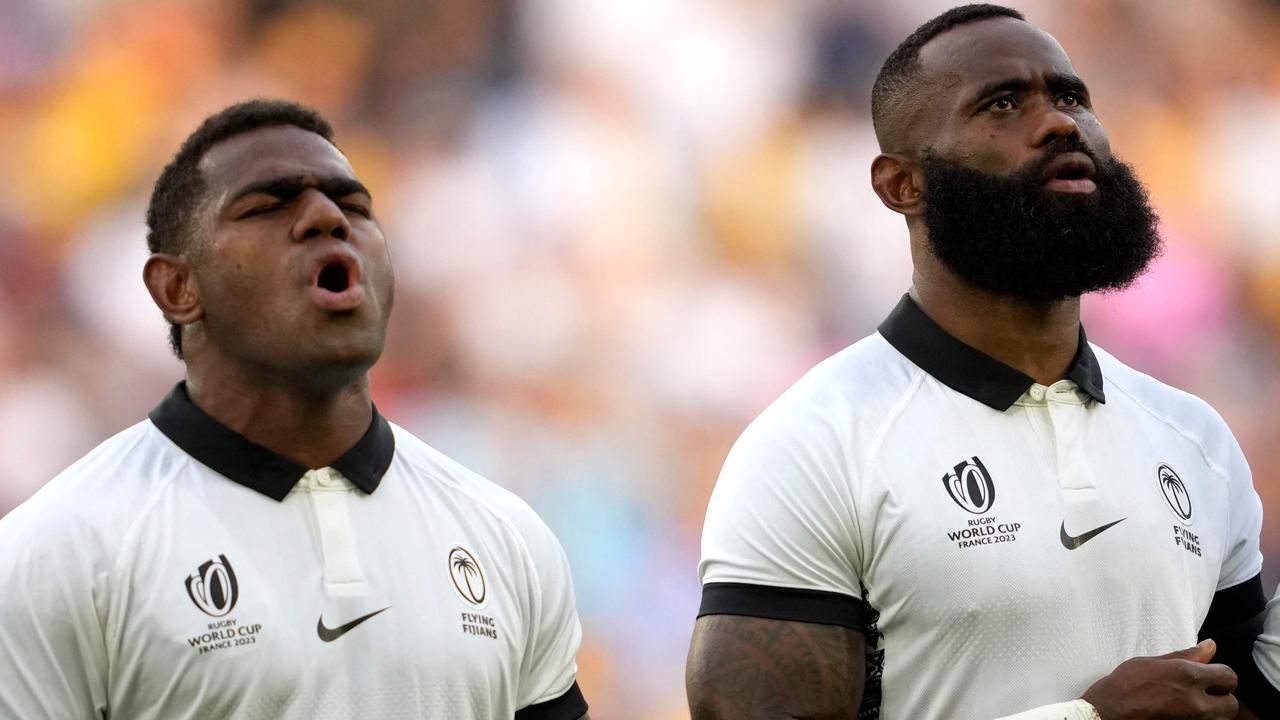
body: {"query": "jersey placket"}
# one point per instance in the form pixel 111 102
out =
pixel 1068 416
pixel 330 496
pixel 1059 417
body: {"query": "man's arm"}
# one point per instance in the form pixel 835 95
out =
pixel 747 668
pixel 547 687
pixel 53 661
pixel 1234 622
pixel 1260 672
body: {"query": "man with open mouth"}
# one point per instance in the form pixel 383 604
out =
pixel 266 544
pixel 975 513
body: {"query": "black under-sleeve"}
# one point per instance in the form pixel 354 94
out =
pixel 569 706
pixel 1234 621
pixel 1236 604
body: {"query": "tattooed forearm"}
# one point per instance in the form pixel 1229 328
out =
pixel 744 668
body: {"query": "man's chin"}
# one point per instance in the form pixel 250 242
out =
pixel 335 360
pixel 332 374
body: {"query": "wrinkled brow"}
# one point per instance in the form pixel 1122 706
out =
pixel 288 188
pixel 1056 84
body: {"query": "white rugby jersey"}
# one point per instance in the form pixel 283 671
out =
pixel 181 571
pixel 1000 544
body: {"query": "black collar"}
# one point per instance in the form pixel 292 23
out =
pixel 256 467
pixel 970 371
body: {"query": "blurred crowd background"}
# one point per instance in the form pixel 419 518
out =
pixel 620 227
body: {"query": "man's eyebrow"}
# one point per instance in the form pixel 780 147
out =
pixel 1066 83
pixel 288 188
pixel 339 187
pixel 1057 83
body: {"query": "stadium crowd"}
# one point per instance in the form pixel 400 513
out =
pixel 620 228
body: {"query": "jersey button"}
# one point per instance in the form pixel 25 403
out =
pixel 323 479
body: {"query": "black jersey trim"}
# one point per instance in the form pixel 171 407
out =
pixel 254 466
pixel 776 603
pixel 569 706
pixel 968 370
pixel 1236 604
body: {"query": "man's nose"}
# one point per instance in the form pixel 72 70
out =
pixel 1054 124
pixel 320 216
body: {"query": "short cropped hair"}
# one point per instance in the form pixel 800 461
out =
pixel 899 77
pixel 179 191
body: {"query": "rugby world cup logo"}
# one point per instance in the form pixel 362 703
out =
pixel 213 587
pixel 969 485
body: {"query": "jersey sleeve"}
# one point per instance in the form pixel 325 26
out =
pixel 780 536
pixel 1242 556
pixel 548 687
pixel 52 651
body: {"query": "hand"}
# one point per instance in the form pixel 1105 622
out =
pixel 1178 686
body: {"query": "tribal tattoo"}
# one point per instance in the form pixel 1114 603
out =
pixel 747 668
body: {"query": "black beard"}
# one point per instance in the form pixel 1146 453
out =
pixel 1011 236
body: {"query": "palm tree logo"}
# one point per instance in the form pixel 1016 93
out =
pixel 468 578
pixel 1175 492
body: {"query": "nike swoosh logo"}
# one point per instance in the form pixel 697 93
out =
pixel 329 635
pixel 1071 543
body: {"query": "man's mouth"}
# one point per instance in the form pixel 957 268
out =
pixel 334 278
pixel 335 282
pixel 1070 172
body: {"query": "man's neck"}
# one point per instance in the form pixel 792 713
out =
pixel 1038 339
pixel 313 428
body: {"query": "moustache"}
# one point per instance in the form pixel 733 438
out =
pixel 1033 171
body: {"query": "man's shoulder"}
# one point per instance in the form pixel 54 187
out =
pixel 91 497
pixel 1150 392
pixel 1182 410
pixel 425 469
pixel 855 389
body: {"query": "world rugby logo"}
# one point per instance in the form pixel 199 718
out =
pixel 969 485
pixel 213 587
pixel 1175 493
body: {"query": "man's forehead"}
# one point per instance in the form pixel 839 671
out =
pixel 995 49
pixel 271 152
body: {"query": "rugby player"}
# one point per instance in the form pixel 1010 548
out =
pixel 266 544
pixel 975 513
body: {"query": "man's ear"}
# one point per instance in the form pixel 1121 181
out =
pixel 173 287
pixel 898 180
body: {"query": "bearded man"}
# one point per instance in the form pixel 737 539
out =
pixel 975 513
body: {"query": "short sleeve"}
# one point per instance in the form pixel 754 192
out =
pixel 1242 557
pixel 780 537
pixel 1266 651
pixel 52 652
pixel 548 689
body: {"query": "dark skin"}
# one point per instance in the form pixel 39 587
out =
pixel 995 127
pixel 262 357
pixel 269 354
pixel 998 93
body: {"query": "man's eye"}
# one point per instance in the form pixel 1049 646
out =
pixel 360 210
pixel 1071 99
pixel 259 210
pixel 1004 102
